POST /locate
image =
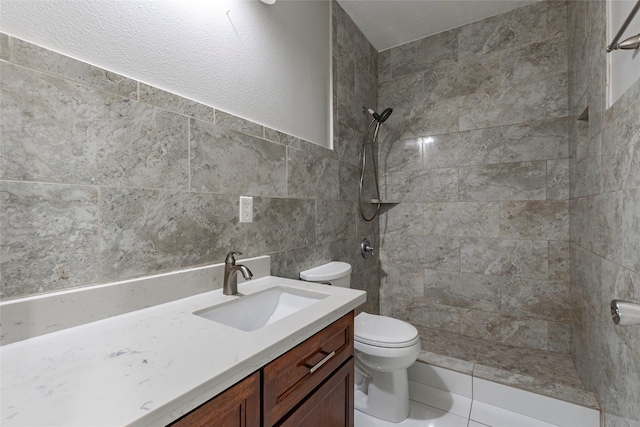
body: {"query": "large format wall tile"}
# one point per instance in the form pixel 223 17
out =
pixel 522 65
pixel 534 141
pixel 559 336
pixel 479 110
pixel 587 175
pixel 433 252
pixel 311 175
pixel 513 29
pixel 466 76
pixel 368 280
pixel 402 155
pixel 155 203
pixel 424 53
pixel 36 58
pixel 522 103
pixel 402 282
pixel 468 290
pixel 509 181
pixel 559 261
pixel 172 102
pixel 629 238
pixel 226 161
pixel 507 157
pixel 462 219
pixel 547 220
pixel 279 137
pixel 348 178
pixel 424 313
pixel 414 116
pixel 504 328
pixel 404 218
pixel 335 220
pixel 604 219
pixel 621 151
pixel 537 299
pixel 229 121
pixel 525 258
pixel 49 237
pixel 59 131
pixel 347 142
pixel 558 179
pixel 144 231
pixel 280 224
pixel 435 185
pixel 477 147
pixel 5 53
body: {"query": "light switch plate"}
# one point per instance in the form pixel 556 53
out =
pixel 246 209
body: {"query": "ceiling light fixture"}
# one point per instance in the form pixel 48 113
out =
pixel 268 1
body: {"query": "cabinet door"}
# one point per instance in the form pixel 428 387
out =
pixel 238 406
pixel 289 379
pixel 331 405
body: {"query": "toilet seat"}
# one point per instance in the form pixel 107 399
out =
pixel 383 331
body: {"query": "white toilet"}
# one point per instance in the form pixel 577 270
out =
pixel 384 347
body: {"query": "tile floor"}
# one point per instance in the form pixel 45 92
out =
pixel 544 372
pixel 426 416
pixel 467 382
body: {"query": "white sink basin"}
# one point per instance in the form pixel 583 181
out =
pixel 251 312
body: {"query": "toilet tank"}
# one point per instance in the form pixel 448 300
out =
pixel 335 273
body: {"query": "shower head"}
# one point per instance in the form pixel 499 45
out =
pixel 379 117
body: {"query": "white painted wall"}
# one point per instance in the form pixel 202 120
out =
pixel 267 63
pixel 624 65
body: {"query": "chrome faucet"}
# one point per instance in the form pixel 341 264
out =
pixel 230 286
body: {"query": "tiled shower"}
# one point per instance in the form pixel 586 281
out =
pixel 513 212
pixel 477 158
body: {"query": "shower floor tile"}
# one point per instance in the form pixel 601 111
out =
pixel 538 371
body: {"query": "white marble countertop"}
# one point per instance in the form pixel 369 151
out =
pixel 150 366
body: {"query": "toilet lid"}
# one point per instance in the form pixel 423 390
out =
pixel 383 331
pixel 331 271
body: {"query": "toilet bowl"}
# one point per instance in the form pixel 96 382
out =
pixel 384 349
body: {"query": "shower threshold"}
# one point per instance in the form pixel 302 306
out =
pixel 542 372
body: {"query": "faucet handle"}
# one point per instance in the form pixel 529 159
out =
pixel 230 259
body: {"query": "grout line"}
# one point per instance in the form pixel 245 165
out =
pixel 10 53
pixel 286 171
pixel 189 154
pixel 99 235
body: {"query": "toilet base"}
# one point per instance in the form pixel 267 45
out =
pixel 384 396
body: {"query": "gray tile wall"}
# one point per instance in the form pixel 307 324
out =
pixel 355 79
pixel 105 178
pixel 604 218
pixel 476 155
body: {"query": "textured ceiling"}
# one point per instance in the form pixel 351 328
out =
pixel 389 23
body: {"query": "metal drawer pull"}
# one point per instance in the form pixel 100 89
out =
pixel 324 360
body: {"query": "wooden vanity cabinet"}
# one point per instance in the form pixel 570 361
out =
pixel 238 406
pixel 310 385
pixel 295 378
pixel 331 405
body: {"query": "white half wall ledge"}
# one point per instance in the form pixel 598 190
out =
pixel 270 64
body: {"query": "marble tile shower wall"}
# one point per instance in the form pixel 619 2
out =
pixel 476 155
pixel 604 146
pixel 105 178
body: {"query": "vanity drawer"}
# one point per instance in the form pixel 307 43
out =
pixel 294 375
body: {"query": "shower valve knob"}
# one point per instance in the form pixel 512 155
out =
pixel 366 249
